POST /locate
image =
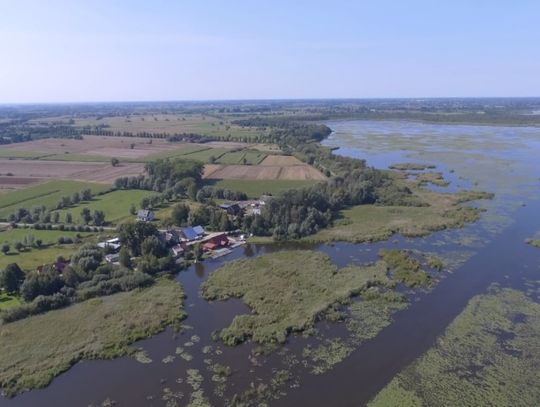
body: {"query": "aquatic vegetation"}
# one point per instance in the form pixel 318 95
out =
pixel 168 359
pixel 405 268
pixel 435 262
pixel 435 178
pixel 38 348
pixel 488 356
pixel 325 356
pixel 411 167
pixel 197 397
pixel 142 357
pixel 533 242
pixel 287 291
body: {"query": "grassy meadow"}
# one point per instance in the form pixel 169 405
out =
pixel 115 204
pixel 48 194
pixel 39 348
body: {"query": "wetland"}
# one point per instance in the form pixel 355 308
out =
pixel 379 307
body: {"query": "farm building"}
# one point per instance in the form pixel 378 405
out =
pixel 113 244
pixel 217 241
pixel 145 215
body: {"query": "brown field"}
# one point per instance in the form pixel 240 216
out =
pixel 97 145
pixel 263 172
pixel 16 182
pixel 31 171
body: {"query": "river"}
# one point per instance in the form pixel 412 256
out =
pixel 496 159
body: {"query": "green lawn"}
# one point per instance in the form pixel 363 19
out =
pixel 47 236
pixel 30 259
pixel 47 194
pixel 256 188
pixel 8 301
pixel 115 204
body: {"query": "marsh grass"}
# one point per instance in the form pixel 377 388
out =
pixel 488 356
pixel 38 348
pixel 405 268
pixel 286 291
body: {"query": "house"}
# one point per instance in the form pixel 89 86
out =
pixel 112 258
pixel 112 244
pixel 231 208
pixel 145 215
pixel 193 233
pixel 199 230
pixel 217 241
pixel 177 250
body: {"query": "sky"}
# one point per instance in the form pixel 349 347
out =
pixel 86 51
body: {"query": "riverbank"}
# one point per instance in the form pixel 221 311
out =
pixel 38 348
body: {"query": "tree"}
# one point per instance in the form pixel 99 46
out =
pixel 19 246
pixel 86 215
pixel 87 258
pixel 132 235
pixel 124 258
pixel 145 202
pixel 69 217
pixel 99 217
pixel 180 214
pixel 152 246
pixel 76 198
pixel 115 161
pixel 5 248
pixel 47 282
pixel 55 217
pixel 197 251
pixel 11 278
pixel 132 209
pixel 86 194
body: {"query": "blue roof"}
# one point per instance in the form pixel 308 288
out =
pixel 199 230
pixel 190 233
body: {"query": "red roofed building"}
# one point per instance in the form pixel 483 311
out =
pixel 216 242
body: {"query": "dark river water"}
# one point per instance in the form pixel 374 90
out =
pixel 492 255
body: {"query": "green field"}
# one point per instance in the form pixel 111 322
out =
pixel 33 258
pixel 256 188
pixel 174 151
pixel 237 157
pixel 76 157
pixel 43 346
pixel 30 258
pixel 115 204
pixel 47 194
pixel 206 155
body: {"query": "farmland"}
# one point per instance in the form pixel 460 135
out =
pixel 40 170
pixel 273 167
pixel 46 194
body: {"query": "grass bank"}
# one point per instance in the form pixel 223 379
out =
pixel 366 223
pixel 38 348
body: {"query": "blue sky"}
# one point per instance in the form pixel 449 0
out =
pixel 70 51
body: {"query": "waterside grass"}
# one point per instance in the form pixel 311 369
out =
pixel 38 348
